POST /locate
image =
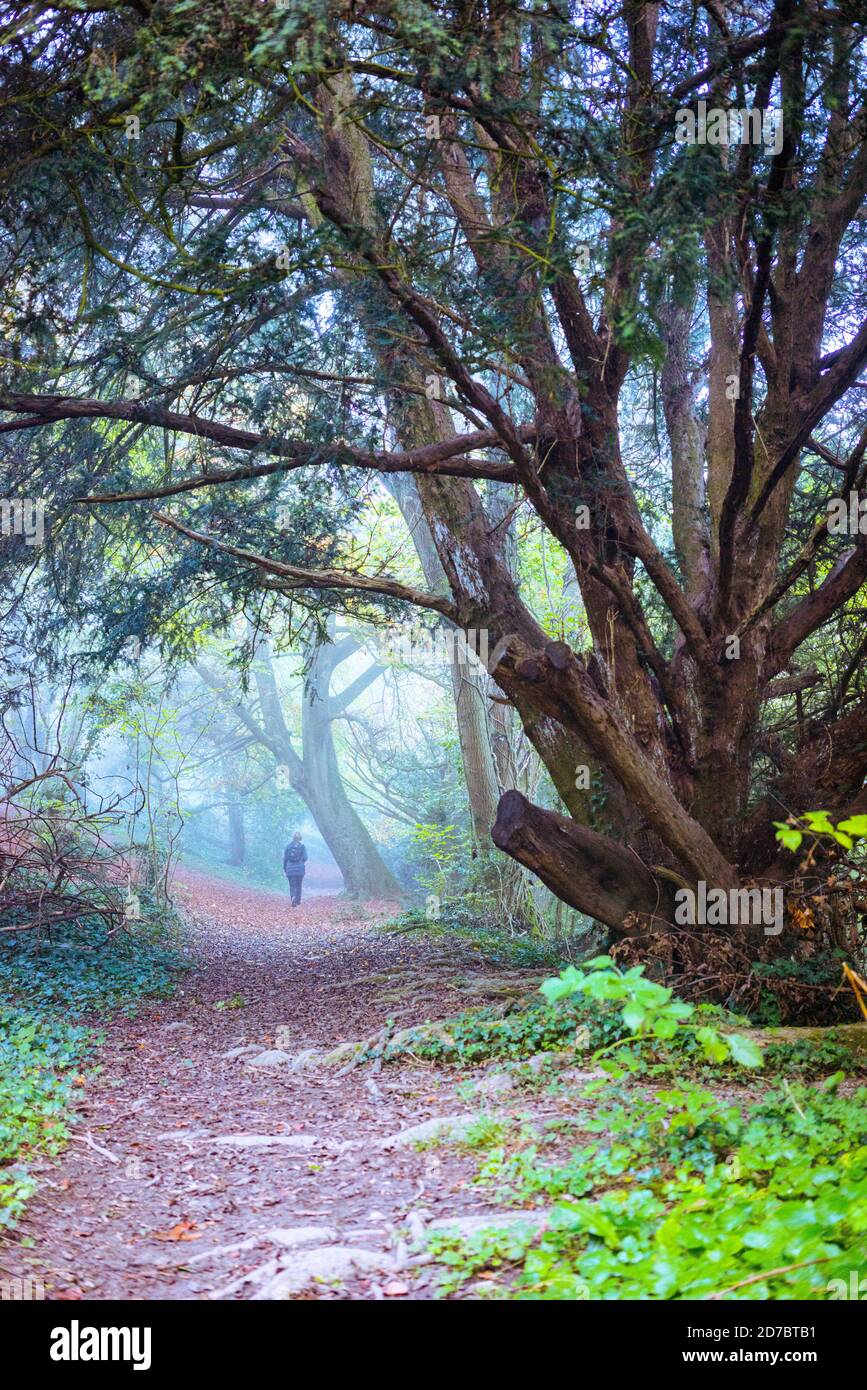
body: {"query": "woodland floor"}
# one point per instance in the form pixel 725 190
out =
pixel 163 1172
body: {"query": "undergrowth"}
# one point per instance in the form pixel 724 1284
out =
pixel 463 924
pixel 582 1027
pixel 57 993
pixel 687 1197
pixel 678 1192
pixel 38 1058
pixel 82 973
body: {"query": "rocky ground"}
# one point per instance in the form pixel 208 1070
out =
pixel 220 1153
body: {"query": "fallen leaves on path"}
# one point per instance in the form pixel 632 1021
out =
pixel 184 1230
pixel 189 1121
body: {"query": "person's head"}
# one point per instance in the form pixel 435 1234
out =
pixel 297 835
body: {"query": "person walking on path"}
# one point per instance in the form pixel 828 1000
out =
pixel 294 859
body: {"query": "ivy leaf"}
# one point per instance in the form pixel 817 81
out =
pixel 854 825
pixel 788 836
pixel 745 1051
pixel 633 1016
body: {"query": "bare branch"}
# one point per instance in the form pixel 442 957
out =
pixel 298 578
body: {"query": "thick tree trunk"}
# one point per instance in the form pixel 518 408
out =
pixel 586 870
pixel 668 701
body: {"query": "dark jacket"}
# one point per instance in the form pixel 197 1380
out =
pixel 294 867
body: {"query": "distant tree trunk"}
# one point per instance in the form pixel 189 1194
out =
pixel 364 873
pixel 315 775
pixel 483 733
pixel 235 817
pixel 471 714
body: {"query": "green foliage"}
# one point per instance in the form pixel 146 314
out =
pixel 85 974
pixel 818 823
pixel 649 1011
pixel 813 1058
pixel 484 1034
pixel 689 1198
pixel 50 984
pixel 460 921
pixel 646 1138
pixel 685 1195
pixel 37 1055
pixel 704 1038
pixel 484 1132
pixel 577 1013
pixel 444 849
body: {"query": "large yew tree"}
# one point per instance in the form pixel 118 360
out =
pixel 460 243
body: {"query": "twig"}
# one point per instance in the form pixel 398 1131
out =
pixel 770 1274
pixel 98 1148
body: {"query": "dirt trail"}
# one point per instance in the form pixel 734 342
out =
pixel 181 1150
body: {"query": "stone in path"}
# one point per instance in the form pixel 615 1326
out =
pixel 259 1141
pixel 447 1127
pixel 494 1221
pixel 326 1264
pixel 272 1057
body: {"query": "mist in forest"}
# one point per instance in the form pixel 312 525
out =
pixel 213 764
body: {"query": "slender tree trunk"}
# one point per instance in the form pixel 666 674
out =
pixel 471 713
pixel 364 873
pixel 235 818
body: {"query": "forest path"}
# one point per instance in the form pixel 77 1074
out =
pixel 181 1150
